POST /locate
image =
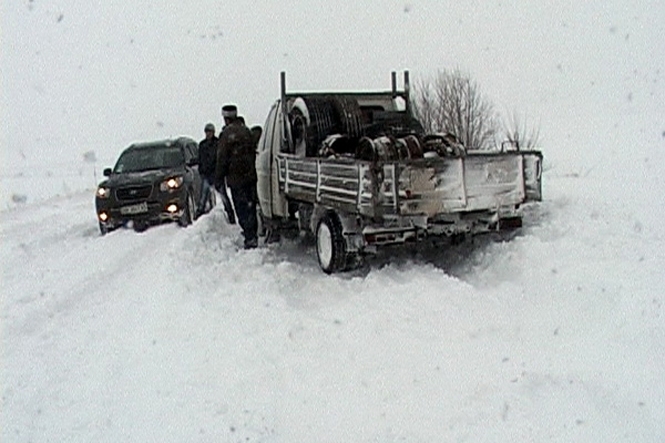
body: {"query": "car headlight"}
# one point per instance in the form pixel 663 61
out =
pixel 103 192
pixel 171 184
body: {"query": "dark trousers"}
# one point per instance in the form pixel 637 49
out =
pixel 227 205
pixel 244 200
pixel 206 189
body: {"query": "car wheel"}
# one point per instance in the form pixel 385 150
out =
pixel 187 217
pixel 103 229
pixel 330 244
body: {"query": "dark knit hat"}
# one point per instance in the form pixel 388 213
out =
pixel 230 111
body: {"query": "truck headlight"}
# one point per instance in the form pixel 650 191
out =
pixel 103 192
pixel 171 184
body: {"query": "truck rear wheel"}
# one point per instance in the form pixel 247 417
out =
pixel 330 244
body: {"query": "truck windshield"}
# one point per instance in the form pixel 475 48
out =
pixel 145 159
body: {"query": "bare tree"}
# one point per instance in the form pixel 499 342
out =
pixel 452 102
pixel 519 134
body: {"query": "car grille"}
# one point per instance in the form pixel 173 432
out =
pixel 133 192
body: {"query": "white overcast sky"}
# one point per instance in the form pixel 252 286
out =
pixel 81 75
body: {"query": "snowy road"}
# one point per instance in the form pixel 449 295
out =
pixel 174 335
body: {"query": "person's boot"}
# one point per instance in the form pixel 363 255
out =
pixel 272 236
pixel 251 243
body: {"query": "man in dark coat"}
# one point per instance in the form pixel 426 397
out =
pixel 236 155
pixel 256 131
pixel 207 166
pixel 207 162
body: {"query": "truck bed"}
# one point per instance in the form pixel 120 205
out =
pixel 429 187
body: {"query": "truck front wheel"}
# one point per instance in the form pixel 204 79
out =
pixel 330 244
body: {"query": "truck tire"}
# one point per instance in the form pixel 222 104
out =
pixel 330 244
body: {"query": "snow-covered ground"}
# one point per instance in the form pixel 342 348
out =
pixel 176 335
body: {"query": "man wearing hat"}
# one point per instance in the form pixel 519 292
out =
pixel 236 155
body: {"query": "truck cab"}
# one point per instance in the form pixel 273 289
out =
pixel 299 122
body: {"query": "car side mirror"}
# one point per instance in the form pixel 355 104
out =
pixel 107 172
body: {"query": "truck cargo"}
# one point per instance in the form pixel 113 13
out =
pixel 357 170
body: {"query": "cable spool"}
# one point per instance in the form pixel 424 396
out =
pixel 365 150
pixel 415 148
pixel 350 116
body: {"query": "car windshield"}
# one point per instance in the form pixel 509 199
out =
pixel 145 159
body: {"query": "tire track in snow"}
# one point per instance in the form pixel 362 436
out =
pixel 65 260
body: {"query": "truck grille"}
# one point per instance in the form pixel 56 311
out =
pixel 133 192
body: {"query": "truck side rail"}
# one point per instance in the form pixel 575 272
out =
pixel 475 182
pixel 341 183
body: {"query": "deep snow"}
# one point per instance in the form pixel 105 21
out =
pixel 175 335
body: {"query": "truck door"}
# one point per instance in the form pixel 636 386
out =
pixel 271 202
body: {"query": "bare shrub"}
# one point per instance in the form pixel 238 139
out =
pixel 518 133
pixel 452 102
